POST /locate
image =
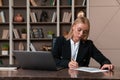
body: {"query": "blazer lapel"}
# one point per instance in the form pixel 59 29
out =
pixel 81 51
pixel 67 48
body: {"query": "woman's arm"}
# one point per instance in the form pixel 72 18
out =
pixel 57 52
pixel 97 55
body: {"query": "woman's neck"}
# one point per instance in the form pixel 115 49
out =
pixel 75 40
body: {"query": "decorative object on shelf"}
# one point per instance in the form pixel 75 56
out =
pixel 31 33
pixel 41 34
pixel 81 14
pixel 18 18
pixel 5 49
pixel 35 33
pixel 43 16
pixel 1 3
pixel 21 46
pixel 50 34
pixel 23 33
pixel 46 48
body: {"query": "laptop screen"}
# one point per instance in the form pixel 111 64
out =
pixel 42 60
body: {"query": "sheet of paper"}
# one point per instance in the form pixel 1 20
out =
pixel 8 68
pixel 90 69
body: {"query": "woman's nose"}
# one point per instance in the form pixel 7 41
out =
pixel 80 33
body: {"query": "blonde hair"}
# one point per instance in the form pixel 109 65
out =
pixel 82 20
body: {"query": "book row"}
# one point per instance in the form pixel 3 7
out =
pixel 34 33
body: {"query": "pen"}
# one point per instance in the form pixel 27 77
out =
pixel 72 59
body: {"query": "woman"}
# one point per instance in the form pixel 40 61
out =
pixel 74 50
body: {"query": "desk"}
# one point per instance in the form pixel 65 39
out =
pixel 64 74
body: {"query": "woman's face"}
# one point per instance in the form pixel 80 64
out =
pixel 79 31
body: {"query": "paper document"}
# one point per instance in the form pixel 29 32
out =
pixel 8 68
pixel 90 69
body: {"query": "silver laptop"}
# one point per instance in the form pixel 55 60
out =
pixel 42 60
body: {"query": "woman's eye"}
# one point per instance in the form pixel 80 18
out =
pixel 85 32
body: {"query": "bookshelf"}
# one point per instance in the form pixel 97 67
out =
pixel 4 28
pixel 42 20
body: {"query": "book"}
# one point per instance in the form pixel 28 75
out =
pixel 64 14
pixel 33 17
pixel 5 34
pixel 32 47
pixel 69 17
pixel 52 2
pixel 16 34
pixel 66 17
pixel 83 3
pixel 1 3
pixel 33 3
pixel 54 17
pixel 2 16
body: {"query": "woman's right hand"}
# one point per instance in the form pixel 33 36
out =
pixel 73 64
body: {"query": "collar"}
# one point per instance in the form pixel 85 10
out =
pixel 72 42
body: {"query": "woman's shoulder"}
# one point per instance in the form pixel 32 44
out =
pixel 88 41
pixel 60 38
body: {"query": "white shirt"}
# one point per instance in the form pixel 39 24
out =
pixel 74 49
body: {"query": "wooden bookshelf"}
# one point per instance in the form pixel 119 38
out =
pixel 44 13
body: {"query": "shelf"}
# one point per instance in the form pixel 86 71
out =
pixel 19 23
pixel 20 39
pixel 4 56
pixel 65 6
pixel 43 7
pixel 6 23
pixel 45 17
pixel 4 39
pixel 19 7
pixel 41 23
pixel 4 7
pixel 41 39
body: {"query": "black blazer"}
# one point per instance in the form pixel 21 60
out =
pixel 62 53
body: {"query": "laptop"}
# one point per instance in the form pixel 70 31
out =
pixel 42 60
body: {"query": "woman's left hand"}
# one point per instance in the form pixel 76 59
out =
pixel 107 66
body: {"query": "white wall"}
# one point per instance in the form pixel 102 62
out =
pixel 104 16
